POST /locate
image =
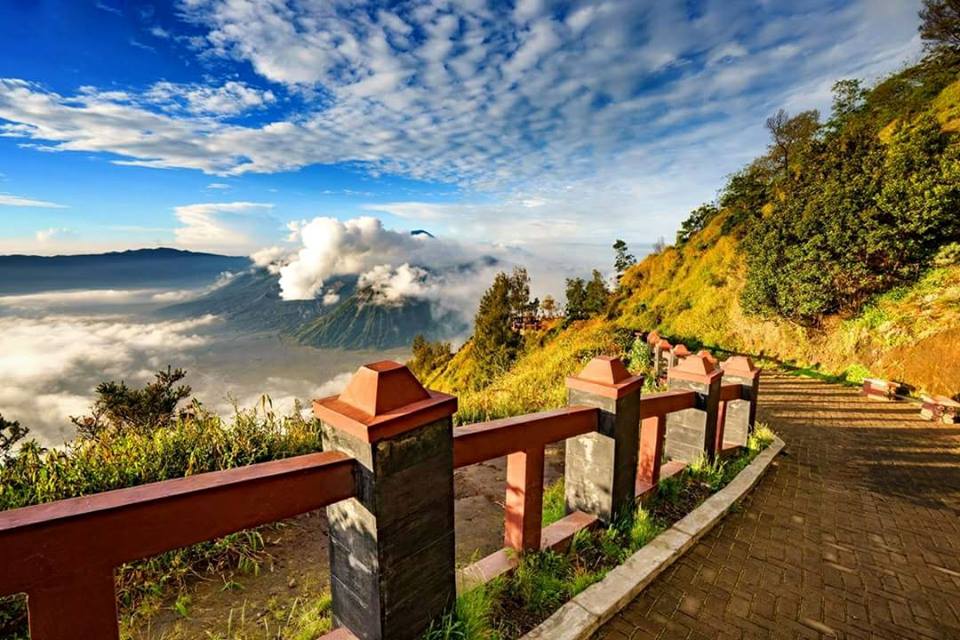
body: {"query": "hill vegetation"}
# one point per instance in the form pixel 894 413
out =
pixel 837 250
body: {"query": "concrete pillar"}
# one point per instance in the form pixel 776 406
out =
pixel 601 468
pixel 693 432
pixel 661 357
pixel 392 547
pixel 741 415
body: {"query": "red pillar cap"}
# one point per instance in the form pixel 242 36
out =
pixel 696 368
pixel 681 351
pixel 704 352
pixel 740 366
pixel 605 376
pixel 653 337
pixel 665 344
pixel 383 399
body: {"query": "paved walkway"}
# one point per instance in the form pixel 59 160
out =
pixel 854 533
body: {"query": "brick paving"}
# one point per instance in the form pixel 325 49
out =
pixel 853 533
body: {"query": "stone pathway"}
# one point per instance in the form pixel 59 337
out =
pixel 853 533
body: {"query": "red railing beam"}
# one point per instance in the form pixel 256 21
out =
pixel 524 503
pixel 660 404
pixel 652 433
pixel 497 438
pixel 66 541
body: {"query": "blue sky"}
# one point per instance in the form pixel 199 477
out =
pixel 212 124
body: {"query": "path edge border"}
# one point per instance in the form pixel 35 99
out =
pixel 580 617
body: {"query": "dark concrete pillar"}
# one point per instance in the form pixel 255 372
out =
pixel 392 547
pixel 601 468
pixel 693 432
pixel 741 414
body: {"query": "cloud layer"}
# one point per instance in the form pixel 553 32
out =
pixel 50 364
pixel 469 92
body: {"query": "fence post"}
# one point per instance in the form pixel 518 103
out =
pixel 392 547
pixel 601 468
pixel 741 415
pixel 693 432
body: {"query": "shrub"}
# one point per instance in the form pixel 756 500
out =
pixel 115 459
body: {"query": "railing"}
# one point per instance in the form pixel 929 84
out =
pixel 654 409
pixel 523 440
pixel 387 482
pixel 63 554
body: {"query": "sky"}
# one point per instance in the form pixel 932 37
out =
pixel 220 125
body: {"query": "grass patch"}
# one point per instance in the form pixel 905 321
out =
pixel 509 606
pixel 554 503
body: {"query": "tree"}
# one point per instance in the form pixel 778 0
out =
pixel 519 294
pixel 596 294
pixel 849 97
pixel 791 136
pixel 623 259
pixel 940 26
pixel 428 356
pixel 495 341
pixel 119 407
pixel 10 434
pixel 576 299
pixel 696 221
pixel 548 306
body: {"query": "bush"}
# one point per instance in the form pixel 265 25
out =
pixel 118 458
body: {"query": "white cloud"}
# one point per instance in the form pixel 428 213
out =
pixel 10 200
pixel 229 99
pixel 49 365
pixel 333 247
pixel 617 95
pixel 218 186
pixel 392 285
pixel 73 298
pixel 224 226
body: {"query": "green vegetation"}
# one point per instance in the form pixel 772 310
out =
pixel 128 448
pixel 509 606
pixel 427 356
pixel 623 259
pixel 503 308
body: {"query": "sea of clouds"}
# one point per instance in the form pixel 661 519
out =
pixel 52 358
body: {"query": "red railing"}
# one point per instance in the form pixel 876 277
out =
pixel 653 426
pixel 523 440
pixel 63 554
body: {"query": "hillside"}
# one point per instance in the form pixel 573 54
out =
pixel 357 322
pixel 837 251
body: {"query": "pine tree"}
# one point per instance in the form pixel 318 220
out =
pixel 495 341
pixel 622 260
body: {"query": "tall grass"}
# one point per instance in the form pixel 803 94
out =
pixel 118 459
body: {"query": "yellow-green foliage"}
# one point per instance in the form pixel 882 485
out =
pixel 692 294
pixel 947 107
pixel 536 380
pixel 691 291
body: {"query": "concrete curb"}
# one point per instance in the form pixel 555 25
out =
pixel 584 614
